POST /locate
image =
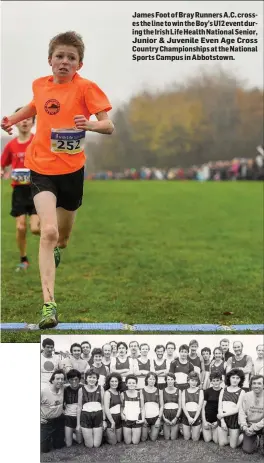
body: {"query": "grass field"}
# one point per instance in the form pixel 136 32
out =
pixel 153 452
pixel 149 252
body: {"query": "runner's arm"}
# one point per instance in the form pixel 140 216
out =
pixel 161 404
pixel 103 124
pixel 6 158
pixel 102 402
pixel 242 417
pixel 23 113
pixel 79 407
pixel 180 404
pixel 202 370
pixel 106 406
pixel 184 406
pixel 200 404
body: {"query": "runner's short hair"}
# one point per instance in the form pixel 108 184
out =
pixel 86 342
pixel 56 372
pixel 172 343
pixel 169 375
pixel 144 344
pixel 194 375
pixel 192 342
pixel 184 347
pixel 97 351
pixel 47 342
pixel 254 377
pixel 73 373
pixel 90 373
pixel 131 377
pixel 69 38
pixel 159 346
pixel 121 343
pixel 206 349
pixel 215 375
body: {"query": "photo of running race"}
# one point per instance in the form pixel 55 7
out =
pixel 131 190
pixel 132 398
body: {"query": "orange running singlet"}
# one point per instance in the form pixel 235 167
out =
pixel 55 152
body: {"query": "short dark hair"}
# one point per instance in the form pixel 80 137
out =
pixel 108 379
pixel 73 373
pixel 56 372
pixel 86 342
pixel 215 375
pixel 170 375
pixel 184 347
pixel 121 343
pixel 254 377
pixel 144 344
pixel 33 117
pixel 91 372
pixel 47 342
pixel 75 344
pixel 235 372
pixel 67 38
pixel 192 342
pixel 97 351
pixel 159 346
pixel 131 377
pixel 151 373
pixel 206 349
pixel 218 348
pixel 172 343
pixel 133 341
pixel 194 375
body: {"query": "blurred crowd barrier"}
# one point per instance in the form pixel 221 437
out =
pixel 237 169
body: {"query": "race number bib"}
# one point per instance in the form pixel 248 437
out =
pixel 21 176
pixel 67 141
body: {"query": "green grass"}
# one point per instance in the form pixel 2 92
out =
pixel 149 252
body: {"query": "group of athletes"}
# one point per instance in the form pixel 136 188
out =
pixel 47 168
pixel 118 392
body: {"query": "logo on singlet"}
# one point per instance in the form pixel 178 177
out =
pixel 52 107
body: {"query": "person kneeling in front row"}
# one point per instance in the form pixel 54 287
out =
pixel 251 414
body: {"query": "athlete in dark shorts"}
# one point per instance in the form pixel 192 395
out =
pixel 132 411
pixel 112 406
pixel 90 411
pixel 181 367
pixel 210 408
pixel 229 402
pixel 63 103
pixel 153 405
pixel 172 406
pixel 22 201
pixel 192 402
pixel 70 406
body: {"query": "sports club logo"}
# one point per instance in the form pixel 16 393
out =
pixel 52 107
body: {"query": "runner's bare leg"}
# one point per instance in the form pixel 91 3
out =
pixel 45 204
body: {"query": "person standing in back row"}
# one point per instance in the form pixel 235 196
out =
pixel 63 103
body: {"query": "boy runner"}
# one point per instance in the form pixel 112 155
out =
pixel 22 202
pixel 63 103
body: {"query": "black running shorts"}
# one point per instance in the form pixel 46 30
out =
pixel 68 188
pixel 22 201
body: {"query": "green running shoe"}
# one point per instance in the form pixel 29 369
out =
pixel 57 256
pixel 49 316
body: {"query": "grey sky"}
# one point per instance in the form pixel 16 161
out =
pixel 106 27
